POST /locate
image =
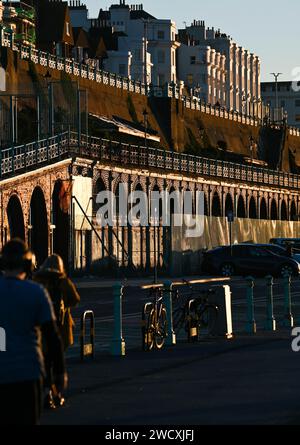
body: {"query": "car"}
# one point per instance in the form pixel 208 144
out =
pixel 284 242
pixel 282 251
pixel 248 259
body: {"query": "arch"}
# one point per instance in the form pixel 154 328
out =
pixel 293 212
pixel 263 209
pixel 39 225
pixel 205 205
pixel 284 211
pixel 15 218
pixel 157 189
pixel 60 208
pixel 228 204
pixel 241 208
pixel 274 211
pixel 216 208
pixel 252 208
pixel 98 188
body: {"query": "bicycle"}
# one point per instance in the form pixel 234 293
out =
pixel 195 314
pixel 154 322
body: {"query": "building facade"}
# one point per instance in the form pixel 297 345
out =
pixel 287 100
pixel 203 70
pixel 21 19
pixel 242 68
pixel 149 44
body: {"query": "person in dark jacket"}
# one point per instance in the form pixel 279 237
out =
pixel 25 312
pixel 64 296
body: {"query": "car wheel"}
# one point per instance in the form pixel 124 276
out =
pixel 227 270
pixel 287 269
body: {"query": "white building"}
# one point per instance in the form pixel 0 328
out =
pixel 79 15
pixel 151 42
pixel 287 100
pixel 203 70
pixel 242 67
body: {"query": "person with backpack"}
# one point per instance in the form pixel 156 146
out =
pixel 63 294
pixel 26 312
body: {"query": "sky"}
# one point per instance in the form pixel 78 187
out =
pixel 269 28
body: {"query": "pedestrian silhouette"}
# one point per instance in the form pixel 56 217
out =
pixel 25 311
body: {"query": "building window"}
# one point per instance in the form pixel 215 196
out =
pixel 190 79
pixel 161 58
pixel 297 103
pixel 193 60
pixel 122 69
pixel 173 58
pixel 67 28
pixel 161 35
pixel 297 118
pixel 161 80
pixel 282 103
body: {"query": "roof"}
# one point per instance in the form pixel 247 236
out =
pixel 141 14
pixel 52 18
pixel 80 38
pixel 116 124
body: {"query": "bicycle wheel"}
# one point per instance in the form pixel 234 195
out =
pixel 161 329
pixel 150 331
pixel 208 319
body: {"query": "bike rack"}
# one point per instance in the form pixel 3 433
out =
pixel 143 323
pixel 87 350
pixel 192 328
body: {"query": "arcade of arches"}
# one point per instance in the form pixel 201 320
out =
pixel 37 208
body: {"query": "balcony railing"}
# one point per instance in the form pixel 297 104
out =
pixel 17 160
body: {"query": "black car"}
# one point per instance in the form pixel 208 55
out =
pixel 248 259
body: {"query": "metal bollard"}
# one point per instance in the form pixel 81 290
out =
pixel 118 342
pixel 87 350
pixel 171 338
pixel 288 321
pixel 251 323
pixel 271 322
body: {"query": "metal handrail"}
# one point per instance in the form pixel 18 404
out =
pixel 19 158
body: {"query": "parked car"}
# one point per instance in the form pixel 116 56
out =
pixel 248 259
pixel 282 251
pixel 283 242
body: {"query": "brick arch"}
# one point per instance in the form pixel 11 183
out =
pixel 228 203
pixel 252 207
pixel 241 206
pixel 216 203
pixel 15 217
pixel 293 211
pixel 273 211
pixel 284 213
pixel 39 231
pixel 263 208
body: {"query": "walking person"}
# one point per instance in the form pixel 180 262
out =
pixel 25 312
pixel 64 296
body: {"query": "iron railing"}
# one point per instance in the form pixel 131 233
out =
pixel 86 71
pixel 17 160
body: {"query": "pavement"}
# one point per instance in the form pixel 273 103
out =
pixel 250 380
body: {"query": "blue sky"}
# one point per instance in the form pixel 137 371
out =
pixel 270 28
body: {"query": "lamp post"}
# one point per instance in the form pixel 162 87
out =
pixel 145 115
pixel 276 76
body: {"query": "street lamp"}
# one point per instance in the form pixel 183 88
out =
pixel 145 115
pixel 276 76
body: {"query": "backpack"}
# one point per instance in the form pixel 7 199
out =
pixel 57 301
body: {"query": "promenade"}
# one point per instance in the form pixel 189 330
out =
pixel 248 380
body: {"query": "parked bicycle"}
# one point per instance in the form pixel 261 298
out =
pixel 154 321
pixel 194 313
